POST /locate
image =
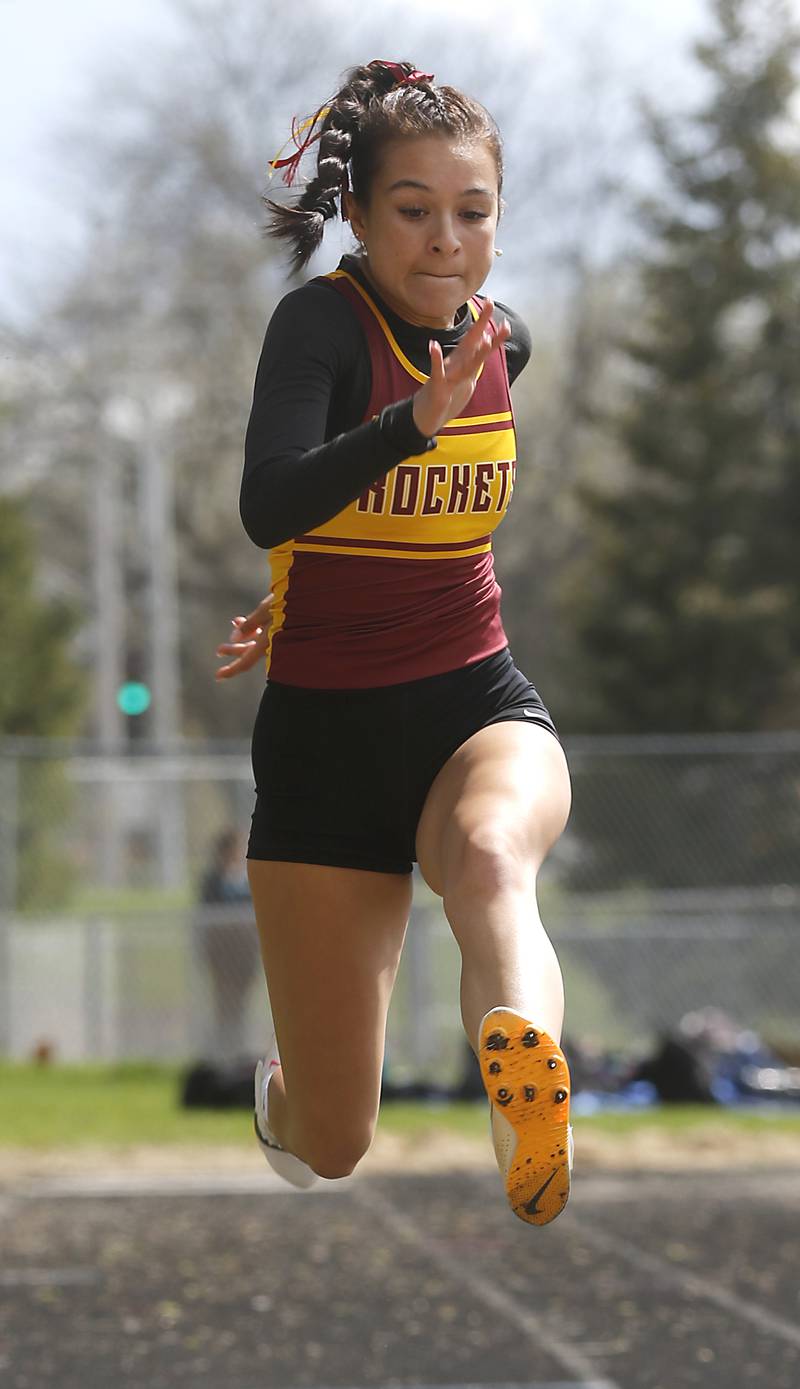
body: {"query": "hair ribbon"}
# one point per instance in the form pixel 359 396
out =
pixel 401 77
pixel 290 164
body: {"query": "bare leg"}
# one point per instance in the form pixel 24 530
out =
pixel 492 815
pixel 514 965
pixel 331 940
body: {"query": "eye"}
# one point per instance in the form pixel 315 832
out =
pixel 472 215
pixel 413 212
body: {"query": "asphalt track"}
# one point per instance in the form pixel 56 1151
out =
pixel 646 1280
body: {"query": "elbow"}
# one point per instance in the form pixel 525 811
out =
pixel 257 533
pixel 252 516
pixel 260 537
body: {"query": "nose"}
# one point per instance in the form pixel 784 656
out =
pixel 445 240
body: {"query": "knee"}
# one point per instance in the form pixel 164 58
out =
pixel 492 859
pixel 334 1155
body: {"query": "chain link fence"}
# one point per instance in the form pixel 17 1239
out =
pixel 126 929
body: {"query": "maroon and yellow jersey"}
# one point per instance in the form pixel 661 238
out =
pixel 400 584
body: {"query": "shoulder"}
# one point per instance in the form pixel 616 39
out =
pixel 315 310
pixel 312 327
pixel 519 345
pixel 520 333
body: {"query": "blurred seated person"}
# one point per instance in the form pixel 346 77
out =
pixel 228 942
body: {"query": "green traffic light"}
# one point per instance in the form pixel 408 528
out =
pixel 133 698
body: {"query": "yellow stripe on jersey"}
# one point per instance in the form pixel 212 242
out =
pixel 331 548
pixel 390 338
pixel 461 421
pixel 280 562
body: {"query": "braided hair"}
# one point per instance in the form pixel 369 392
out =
pixel 378 102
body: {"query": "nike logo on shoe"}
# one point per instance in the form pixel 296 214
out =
pixel 532 1208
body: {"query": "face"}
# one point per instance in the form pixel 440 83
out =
pixel 429 226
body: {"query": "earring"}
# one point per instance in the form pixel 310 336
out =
pixel 497 252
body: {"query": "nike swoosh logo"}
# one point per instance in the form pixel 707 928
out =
pixel 532 1207
pixel 529 713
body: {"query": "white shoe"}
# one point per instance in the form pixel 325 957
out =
pixel 527 1081
pixel 291 1168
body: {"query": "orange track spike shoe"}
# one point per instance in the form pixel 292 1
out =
pixel 527 1081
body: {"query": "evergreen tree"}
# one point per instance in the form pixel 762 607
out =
pixel 687 609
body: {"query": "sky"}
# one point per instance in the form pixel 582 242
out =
pixel 48 52
pixel 50 49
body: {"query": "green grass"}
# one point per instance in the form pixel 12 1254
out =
pixel 72 1106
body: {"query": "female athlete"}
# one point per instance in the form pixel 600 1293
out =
pixel 394 726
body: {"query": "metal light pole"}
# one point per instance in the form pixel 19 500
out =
pixel 158 516
pixel 109 638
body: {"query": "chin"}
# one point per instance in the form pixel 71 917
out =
pixel 443 291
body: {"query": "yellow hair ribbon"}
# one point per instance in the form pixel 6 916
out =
pixel 290 165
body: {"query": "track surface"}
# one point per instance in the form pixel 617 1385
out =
pixel 647 1281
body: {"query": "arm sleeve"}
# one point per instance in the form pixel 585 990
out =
pixel 293 478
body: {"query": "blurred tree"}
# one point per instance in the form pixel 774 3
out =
pixel 687 607
pixel 687 604
pixel 43 694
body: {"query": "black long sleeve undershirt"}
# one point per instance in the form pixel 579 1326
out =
pixel 307 454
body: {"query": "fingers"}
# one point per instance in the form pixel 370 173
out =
pixel 466 361
pixel 262 610
pixel 476 340
pixel 250 652
pixel 437 361
pixel 257 618
pixel 452 380
pixel 247 653
pixel 484 324
pixel 235 668
pixel 236 648
pixel 477 345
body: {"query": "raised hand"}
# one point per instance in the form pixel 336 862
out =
pixel 248 641
pixel 452 381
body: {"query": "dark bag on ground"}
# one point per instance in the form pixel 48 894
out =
pixel 681 1072
pixel 207 1085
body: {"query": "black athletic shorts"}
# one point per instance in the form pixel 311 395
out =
pixel 342 775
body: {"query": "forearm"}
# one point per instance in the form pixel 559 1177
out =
pixel 286 495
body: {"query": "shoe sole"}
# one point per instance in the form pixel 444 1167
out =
pixel 527 1079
